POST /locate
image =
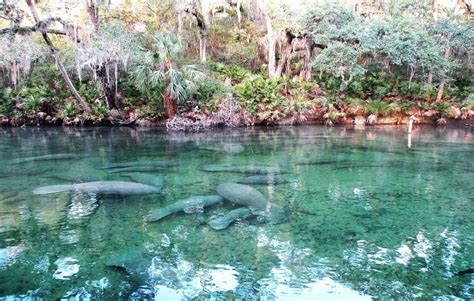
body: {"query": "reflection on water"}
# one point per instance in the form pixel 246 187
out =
pixel 370 217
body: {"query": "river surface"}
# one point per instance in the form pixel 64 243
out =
pixel 370 217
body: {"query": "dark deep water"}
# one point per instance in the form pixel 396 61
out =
pixel 370 217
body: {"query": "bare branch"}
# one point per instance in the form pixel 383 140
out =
pixel 28 30
pixel 152 10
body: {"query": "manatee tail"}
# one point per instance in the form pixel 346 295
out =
pixel 53 189
pixel 158 214
pixel 222 222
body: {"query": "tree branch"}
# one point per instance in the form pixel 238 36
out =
pixel 199 19
pixel 28 30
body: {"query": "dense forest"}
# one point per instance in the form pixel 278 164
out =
pixel 196 64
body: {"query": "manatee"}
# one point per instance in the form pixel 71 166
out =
pixel 101 187
pixel 228 148
pixel 163 164
pixel 132 263
pixel 188 205
pixel 51 157
pixel 146 178
pixel 247 196
pixel 7 174
pixel 138 169
pixel 222 222
pixel 273 213
pixel 316 162
pixel 243 195
pixel 263 180
pixel 7 195
pixel 249 169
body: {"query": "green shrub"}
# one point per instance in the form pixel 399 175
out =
pixel 442 108
pixel 232 71
pixel 299 104
pixel 208 92
pixel 468 103
pixel 411 89
pixel 131 94
pixel 69 109
pixel 236 73
pixel 149 111
pixel 353 101
pixel 100 110
pixel 31 105
pixel 216 67
pixel 89 90
pixel 7 102
pixel 33 99
pixel 308 86
pixel 378 108
pixel 45 73
pixel 329 83
pixel 259 94
pixel 405 105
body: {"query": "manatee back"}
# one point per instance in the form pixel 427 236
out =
pixel 146 178
pixel 242 195
pixel 53 189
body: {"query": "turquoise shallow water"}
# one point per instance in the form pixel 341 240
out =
pixel 373 219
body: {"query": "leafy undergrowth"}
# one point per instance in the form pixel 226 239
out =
pixel 257 98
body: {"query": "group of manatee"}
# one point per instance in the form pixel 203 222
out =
pixel 251 202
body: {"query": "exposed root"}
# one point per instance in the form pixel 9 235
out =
pixel 228 114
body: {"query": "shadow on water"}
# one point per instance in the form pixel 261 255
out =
pixel 370 217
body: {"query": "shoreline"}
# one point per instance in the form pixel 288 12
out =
pixel 161 123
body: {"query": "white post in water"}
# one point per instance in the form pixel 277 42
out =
pixel 410 123
pixel 410 128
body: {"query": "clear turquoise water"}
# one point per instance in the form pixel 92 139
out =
pixel 382 221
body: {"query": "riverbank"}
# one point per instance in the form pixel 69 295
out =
pixel 189 121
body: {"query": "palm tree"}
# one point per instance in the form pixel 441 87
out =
pixel 158 65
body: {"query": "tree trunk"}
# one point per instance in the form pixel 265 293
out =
pixel 308 66
pixel 429 84
pixel 204 8
pixel 462 8
pixel 283 60
pixel 357 8
pixel 439 96
pixel 435 10
pixel 170 105
pixel 202 48
pixel 239 15
pixel 180 22
pixel 201 22
pixel 59 63
pixel 270 38
pixel 101 70
pixel 107 87
pixel 271 54
pixel 93 12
